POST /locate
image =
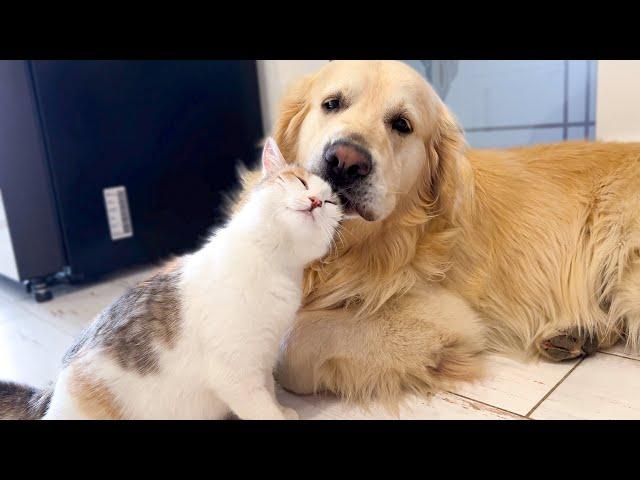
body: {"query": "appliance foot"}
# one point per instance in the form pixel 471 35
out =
pixel 41 292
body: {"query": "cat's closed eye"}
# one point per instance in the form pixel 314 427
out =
pixel 303 182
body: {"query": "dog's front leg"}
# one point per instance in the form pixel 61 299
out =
pixel 420 342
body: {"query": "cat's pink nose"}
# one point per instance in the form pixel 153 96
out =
pixel 315 203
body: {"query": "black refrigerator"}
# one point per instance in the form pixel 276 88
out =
pixel 107 164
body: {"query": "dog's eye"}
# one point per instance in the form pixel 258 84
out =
pixel 401 125
pixel 331 104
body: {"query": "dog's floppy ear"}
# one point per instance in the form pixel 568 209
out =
pixel 293 108
pixel 450 178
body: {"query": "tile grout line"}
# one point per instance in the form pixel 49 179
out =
pixel 488 405
pixel 553 389
pixel 19 305
pixel 62 325
pixel 47 321
pixel 620 355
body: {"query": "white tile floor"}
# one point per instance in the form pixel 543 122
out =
pixel 34 337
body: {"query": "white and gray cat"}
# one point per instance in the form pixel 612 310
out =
pixel 199 339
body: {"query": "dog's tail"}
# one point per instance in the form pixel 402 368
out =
pixel 22 402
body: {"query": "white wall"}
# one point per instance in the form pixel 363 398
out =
pixel 618 100
pixel 274 77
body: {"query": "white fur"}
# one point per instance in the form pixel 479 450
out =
pixel 239 294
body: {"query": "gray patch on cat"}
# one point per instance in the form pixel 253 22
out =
pixel 133 328
pixel 22 402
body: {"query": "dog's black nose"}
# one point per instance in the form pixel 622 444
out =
pixel 346 162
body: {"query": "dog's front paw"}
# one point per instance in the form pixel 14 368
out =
pixel 568 344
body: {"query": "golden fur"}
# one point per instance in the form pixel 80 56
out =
pixel 475 250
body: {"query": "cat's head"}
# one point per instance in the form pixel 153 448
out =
pixel 302 204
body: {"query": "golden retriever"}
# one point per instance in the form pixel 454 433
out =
pixel 448 251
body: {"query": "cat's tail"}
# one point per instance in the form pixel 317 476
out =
pixel 22 402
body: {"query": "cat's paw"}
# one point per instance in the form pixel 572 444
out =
pixel 290 414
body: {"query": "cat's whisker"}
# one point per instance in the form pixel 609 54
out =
pixel 340 236
pixel 327 232
pixel 338 233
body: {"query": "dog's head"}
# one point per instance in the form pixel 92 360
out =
pixel 378 133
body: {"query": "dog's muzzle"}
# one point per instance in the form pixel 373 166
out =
pixel 347 166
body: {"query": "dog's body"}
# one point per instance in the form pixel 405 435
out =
pixel 531 249
pixel 552 241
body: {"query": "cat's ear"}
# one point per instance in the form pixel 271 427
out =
pixel 272 159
